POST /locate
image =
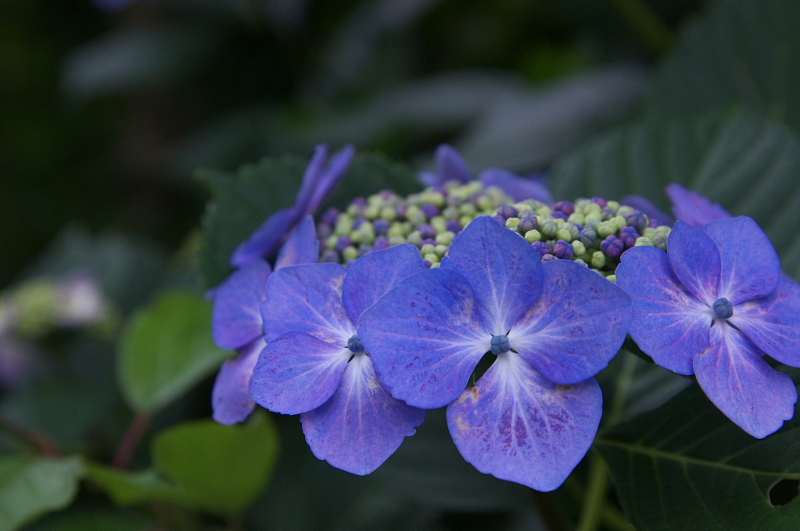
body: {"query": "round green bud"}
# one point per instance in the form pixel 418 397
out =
pixel 649 232
pixel 606 228
pixel 396 240
pixel 372 212
pixel 593 217
pixel 465 220
pixel 579 249
pixel 619 221
pixel 576 218
pixel 598 259
pixel 485 203
pixel 349 253
pixel 441 250
pixel 467 209
pixel 547 227
pixel 612 278
pixel 643 240
pixel 388 213
pixel 428 248
pixel 543 210
pixel 344 225
pixel 415 238
pixel 450 212
pixel 439 223
pixel 533 236
pixel 563 234
pixel 625 211
pixel 512 223
pixel 331 242
pixel 580 261
pixel 430 257
pixel 445 237
pixel 613 205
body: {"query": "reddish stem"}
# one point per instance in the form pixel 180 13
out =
pixel 39 439
pixel 130 441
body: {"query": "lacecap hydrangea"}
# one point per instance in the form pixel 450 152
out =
pixel 412 296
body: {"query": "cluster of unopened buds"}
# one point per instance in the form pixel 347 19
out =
pixel 374 314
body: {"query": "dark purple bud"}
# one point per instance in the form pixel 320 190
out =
pixel 628 235
pixel 560 215
pixel 638 221
pixel 323 231
pixel 355 345
pixel 428 241
pixel 386 194
pixel 541 247
pixel 507 211
pixel 500 219
pixel 612 246
pixel 381 242
pixel 563 250
pixel 527 222
pixel 381 226
pixel 426 263
pixel 723 308
pixel 343 243
pixel 608 213
pixel 566 207
pixel 549 258
pixel 588 237
pixel 500 344
pixel 453 226
pixel 400 212
pixel 330 255
pixel 600 201
pixel 330 216
pixel 359 202
pixel 430 210
pixel 358 222
pixel 426 231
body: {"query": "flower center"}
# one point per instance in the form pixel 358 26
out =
pixel 500 344
pixel 723 308
pixel 355 345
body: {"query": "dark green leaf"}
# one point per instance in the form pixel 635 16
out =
pixel 93 520
pixel 686 467
pixel 202 465
pixel 241 203
pixel 30 487
pixel 738 51
pixel 370 173
pixel 748 165
pixel 166 349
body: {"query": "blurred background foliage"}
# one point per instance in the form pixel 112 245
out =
pixel 108 108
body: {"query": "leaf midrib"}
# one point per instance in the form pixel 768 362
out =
pixel 685 460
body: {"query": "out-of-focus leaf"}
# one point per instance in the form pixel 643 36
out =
pixel 241 203
pixel 370 173
pixel 686 466
pixel 738 51
pixel 127 268
pixel 747 164
pixel 201 465
pixel 93 520
pixel 135 58
pixel 165 349
pixel 31 487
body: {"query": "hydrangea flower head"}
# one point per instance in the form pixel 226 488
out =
pixel 236 322
pixel 533 415
pixel 713 306
pixel 318 182
pixel 315 364
pixel 451 166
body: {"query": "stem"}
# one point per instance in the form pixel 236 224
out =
pixel 594 500
pixel 130 441
pixel 644 22
pixel 614 519
pixel 42 441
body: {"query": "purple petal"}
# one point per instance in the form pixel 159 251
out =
pixel 742 385
pixel 518 188
pixel 302 247
pixel 326 181
pixel 518 426
pixel 361 425
pixel 267 239
pixel 375 273
pixel 230 398
pixel 425 338
pixel 773 322
pixel 695 209
pixel 643 205
pixel 696 262
pixel 307 298
pixel 578 324
pixel 451 165
pixel 669 324
pixel 236 318
pixel 505 272
pixel 297 373
pixel 750 265
pixel 312 175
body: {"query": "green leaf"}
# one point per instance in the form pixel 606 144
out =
pixel 93 520
pixel 241 203
pixel 370 173
pixel 748 165
pixel 30 487
pixel 738 51
pixel 686 467
pixel 165 349
pixel 201 465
